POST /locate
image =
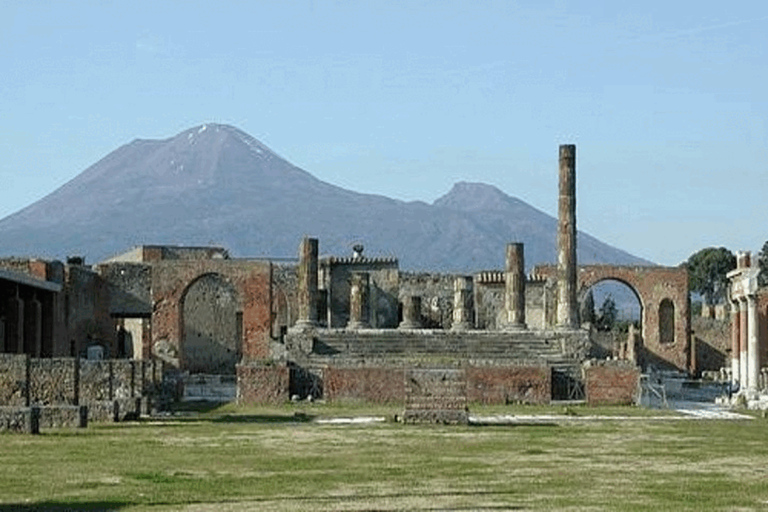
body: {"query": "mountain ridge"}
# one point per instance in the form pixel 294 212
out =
pixel 215 184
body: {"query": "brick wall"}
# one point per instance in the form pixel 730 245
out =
pixel 611 383
pixel 262 384
pixel 510 384
pixel 370 384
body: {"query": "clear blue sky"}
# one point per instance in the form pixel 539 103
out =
pixel 666 101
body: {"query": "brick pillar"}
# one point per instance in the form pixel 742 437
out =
pixel 307 296
pixel 358 301
pixel 15 325
pixel 735 341
pixel 567 312
pixel 743 332
pixel 753 344
pixel 33 327
pixel 411 312
pixel 514 283
pixel 463 307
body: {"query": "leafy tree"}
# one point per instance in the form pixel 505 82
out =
pixel 707 271
pixel 588 309
pixel 762 262
pixel 608 314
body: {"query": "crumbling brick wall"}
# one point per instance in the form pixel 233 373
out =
pixel 509 384
pixel 262 384
pixel 611 383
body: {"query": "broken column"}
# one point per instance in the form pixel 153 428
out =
pixel 358 301
pixel 567 312
pixel 735 341
pixel 411 312
pixel 463 307
pixel 307 289
pixel 514 283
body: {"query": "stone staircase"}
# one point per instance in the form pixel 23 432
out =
pixel 533 347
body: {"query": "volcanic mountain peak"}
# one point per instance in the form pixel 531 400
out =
pixel 468 196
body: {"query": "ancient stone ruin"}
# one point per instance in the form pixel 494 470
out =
pixel 345 327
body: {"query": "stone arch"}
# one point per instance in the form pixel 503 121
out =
pixel 584 289
pixel 652 284
pixel 211 325
pixel 666 321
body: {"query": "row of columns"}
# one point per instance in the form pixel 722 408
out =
pixel 463 296
pixel 745 354
pixel 21 330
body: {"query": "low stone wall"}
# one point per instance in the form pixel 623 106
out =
pixel 436 396
pixel 67 382
pixel 371 384
pixel 611 382
pixel 22 420
pixel 54 381
pixel 63 416
pixel 260 384
pixel 14 380
pixel 509 384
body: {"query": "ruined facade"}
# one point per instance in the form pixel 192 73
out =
pixel 749 331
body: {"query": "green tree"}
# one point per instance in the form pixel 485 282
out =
pixel 588 309
pixel 707 271
pixel 608 314
pixel 762 262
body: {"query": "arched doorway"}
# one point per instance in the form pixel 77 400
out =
pixel 211 326
pixel 614 310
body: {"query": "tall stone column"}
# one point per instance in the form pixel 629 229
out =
pixel 463 304
pixel 743 335
pixel 514 284
pixel 735 341
pixel 358 301
pixel 567 306
pixel 753 354
pixel 411 312
pixel 307 296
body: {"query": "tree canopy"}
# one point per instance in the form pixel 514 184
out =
pixel 762 262
pixel 707 271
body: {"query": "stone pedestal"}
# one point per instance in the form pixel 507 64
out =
pixel 411 312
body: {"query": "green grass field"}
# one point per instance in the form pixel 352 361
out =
pixel 278 459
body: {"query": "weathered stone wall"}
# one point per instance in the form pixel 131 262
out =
pixel 110 388
pixel 435 395
pixel 21 420
pixel 14 379
pixel 129 287
pixel 611 383
pixel 285 284
pixel 509 384
pixel 711 343
pixel 380 384
pixel 383 293
pixel 87 314
pixel 262 384
pixel 436 292
pixel 54 381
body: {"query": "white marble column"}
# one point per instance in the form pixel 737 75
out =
pixel 735 341
pixel 743 318
pixel 753 354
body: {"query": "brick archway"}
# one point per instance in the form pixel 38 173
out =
pixel 653 286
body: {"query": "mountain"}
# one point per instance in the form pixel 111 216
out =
pixel 216 185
